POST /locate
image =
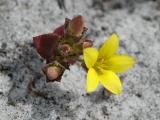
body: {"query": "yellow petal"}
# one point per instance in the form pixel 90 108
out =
pixel 120 63
pixel 109 47
pixel 92 80
pixel 90 56
pixel 111 82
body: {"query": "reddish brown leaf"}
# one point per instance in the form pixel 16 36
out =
pixel 71 62
pixel 46 44
pixel 59 31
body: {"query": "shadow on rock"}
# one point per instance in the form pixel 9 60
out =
pixel 22 64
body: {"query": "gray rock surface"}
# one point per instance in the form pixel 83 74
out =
pixel 136 22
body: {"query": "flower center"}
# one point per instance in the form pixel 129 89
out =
pixel 100 65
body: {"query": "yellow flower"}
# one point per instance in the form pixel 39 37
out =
pixel 104 64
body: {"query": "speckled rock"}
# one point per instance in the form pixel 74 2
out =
pixel 136 22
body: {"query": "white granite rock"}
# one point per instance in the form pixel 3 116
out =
pixel 136 22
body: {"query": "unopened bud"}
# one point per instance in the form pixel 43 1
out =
pixel 87 44
pixel 76 26
pixel 53 72
pixel 65 49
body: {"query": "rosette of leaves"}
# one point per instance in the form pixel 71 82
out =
pixel 62 47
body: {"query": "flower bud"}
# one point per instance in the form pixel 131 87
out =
pixel 65 49
pixel 53 72
pixel 87 44
pixel 76 26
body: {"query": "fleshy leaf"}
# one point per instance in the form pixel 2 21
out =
pixel 90 56
pixel 59 31
pixel 109 47
pixel 46 44
pixel 92 80
pixel 111 81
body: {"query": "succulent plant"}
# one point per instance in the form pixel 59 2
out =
pixel 62 47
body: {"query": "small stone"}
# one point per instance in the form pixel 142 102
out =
pixel 1 93
pixel 139 95
pixel 107 93
pixel 58 118
pixel 105 111
pixel 4 45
